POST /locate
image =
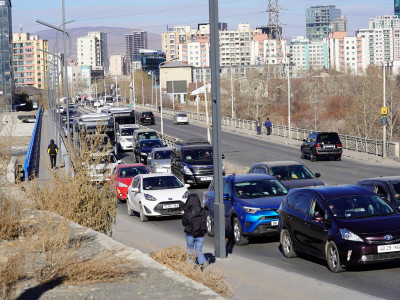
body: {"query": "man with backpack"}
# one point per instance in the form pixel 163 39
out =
pixel 52 150
pixel 194 220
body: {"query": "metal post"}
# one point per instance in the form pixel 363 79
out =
pixel 116 89
pixel 206 106
pixel 384 105
pixel 66 75
pixel 288 82
pixel 133 88
pixel 161 107
pixel 219 217
pixel 232 91
pixel 152 89
pixel 142 92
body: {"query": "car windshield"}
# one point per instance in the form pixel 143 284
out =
pixel 358 206
pixel 395 186
pixel 293 172
pixel 97 140
pixel 147 114
pixel 105 159
pixel 259 189
pixel 198 154
pixel 127 131
pixel 166 154
pixel 161 183
pixel 147 135
pixel 130 172
pixel 328 137
pixel 182 115
pixel 151 144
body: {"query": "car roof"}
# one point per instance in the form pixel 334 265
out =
pixel 162 148
pixel 145 130
pixel 152 175
pixel 146 140
pixel 334 191
pixel 279 163
pixel 129 126
pixel 146 112
pixel 131 165
pixel 247 177
pixel 382 178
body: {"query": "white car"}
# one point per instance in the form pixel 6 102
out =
pixel 181 118
pixel 156 195
pixel 101 166
pixel 159 160
pixel 125 136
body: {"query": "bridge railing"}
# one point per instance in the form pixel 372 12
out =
pixel 353 143
pixel 31 148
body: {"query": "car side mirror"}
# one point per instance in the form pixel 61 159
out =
pixel 317 175
pixel 304 140
pixel 187 185
pixel 117 133
pixel 223 156
pixel 135 190
pixel 318 218
pixel 227 197
pixel 119 161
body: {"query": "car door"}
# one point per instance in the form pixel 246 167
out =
pixel 135 196
pixel 228 204
pixel 382 190
pixel 315 232
pixel 305 147
pixel 301 207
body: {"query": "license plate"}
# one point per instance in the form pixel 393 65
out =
pixel 274 223
pixel 147 118
pixel 206 178
pixel 329 146
pixel 389 248
pixel 170 206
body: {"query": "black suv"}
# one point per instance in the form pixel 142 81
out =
pixel 192 162
pixel 146 117
pixel 388 188
pixel 322 144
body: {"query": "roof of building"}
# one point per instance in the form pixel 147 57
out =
pixel 176 64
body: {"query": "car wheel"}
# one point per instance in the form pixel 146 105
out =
pixel 210 224
pixel 312 156
pixel 333 258
pixel 338 158
pixel 143 218
pixel 238 237
pixel 287 245
pixel 130 211
pixel 302 155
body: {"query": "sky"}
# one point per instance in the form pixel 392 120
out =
pixel 155 16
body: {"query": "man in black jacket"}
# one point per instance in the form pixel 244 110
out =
pixel 52 150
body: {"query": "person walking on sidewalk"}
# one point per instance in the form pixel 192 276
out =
pixel 268 125
pixel 258 126
pixel 52 150
pixel 194 220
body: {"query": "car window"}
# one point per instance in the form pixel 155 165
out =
pixel 315 209
pixel 299 172
pixel 227 189
pixel 160 183
pixel 135 182
pixel 302 203
pixel 328 137
pixel 380 190
pixel 259 189
pixel 127 131
pixel 166 154
pixel 396 189
pixel 254 170
pixel 130 172
pixel 147 136
pixel 150 144
pixel 290 200
pixel 198 154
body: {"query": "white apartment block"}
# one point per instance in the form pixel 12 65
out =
pixel 386 21
pixel 170 40
pixel 117 65
pixel 305 54
pixel 377 45
pixel 195 53
pixel 92 51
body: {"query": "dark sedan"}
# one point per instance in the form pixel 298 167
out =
pixel 388 188
pixel 143 148
pixel 291 173
pixel 346 225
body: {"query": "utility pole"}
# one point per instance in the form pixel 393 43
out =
pixel 384 105
pixel 232 91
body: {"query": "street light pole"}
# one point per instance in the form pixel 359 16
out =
pixel 384 105
pixel 232 91
pixel 288 81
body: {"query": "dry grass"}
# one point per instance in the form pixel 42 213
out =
pixel 176 258
pixel 11 270
pixel 10 218
pixel 230 169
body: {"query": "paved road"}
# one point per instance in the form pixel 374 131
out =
pixel 247 266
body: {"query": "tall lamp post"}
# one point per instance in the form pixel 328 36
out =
pixel 384 112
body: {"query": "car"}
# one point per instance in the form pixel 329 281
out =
pixel 146 117
pixel 122 176
pixel 156 195
pixel 143 148
pixel 144 134
pixel 291 173
pixel 192 162
pixel 345 225
pixel 387 187
pixel 65 128
pixel 98 142
pixel 125 136
pixel 181 118
pixel 251 206
pixel 100 166
pixel 71 115
pixel 322 145
pixel 159 160
pixel 59 109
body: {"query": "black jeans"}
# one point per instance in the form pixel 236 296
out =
pixel 268 130
pixel 53 158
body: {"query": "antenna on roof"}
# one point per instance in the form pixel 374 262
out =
pixel 20 28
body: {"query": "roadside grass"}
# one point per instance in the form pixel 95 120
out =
pixel 176 258
pixel 230 169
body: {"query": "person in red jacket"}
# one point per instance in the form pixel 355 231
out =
pixel 52 150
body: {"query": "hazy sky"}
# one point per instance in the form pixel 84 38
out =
pixel 155 15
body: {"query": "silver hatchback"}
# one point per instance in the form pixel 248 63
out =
pixel 181 118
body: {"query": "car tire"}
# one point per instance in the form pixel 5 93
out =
pixel 287 244
pixel 209 224
pixel 238 237
pixel 338 158
pixel 142 217
pixel 313 157
pixel 302 155
pixel 130 211
pixel 333 258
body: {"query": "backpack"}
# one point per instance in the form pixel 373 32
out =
pixel 53 149
pixel 199 223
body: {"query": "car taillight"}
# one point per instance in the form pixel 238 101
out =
pixel 152 117
pixel 339 146
pixel 142 117
pixel 318 146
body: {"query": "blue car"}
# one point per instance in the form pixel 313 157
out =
pixel 143 148
pixel 251 204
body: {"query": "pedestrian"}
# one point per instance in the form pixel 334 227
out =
pixel 194 220
pixel 258 126
pixel 52 150
pixel 159 108
pixel 268 125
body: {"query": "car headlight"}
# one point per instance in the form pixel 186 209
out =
pixel 143 153
pixel 187 171
pixel 149 197
pixel 349 236
pixel 186 195
pixel 123 140
pixel 121 184
pixel 251 210
pixel 156 164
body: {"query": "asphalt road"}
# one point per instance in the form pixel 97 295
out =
pixel 376 280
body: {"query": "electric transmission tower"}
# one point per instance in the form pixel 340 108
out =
pixel 274 31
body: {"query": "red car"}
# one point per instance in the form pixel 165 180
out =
pixel 122 177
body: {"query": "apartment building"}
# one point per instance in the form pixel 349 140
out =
pixel 29 60
pixel 305 53
pixel 134 42
pixel 117 65
pixel 319 19
pixel 92 51
pixel 171 40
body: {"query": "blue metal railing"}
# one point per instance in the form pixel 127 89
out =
pixel 28 157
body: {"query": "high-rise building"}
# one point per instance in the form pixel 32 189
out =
pixel 29 60
pixel 133 43
pixel 319 19
pixel 305 53
pixel 92 51
pixel 397 7
pixel 6 72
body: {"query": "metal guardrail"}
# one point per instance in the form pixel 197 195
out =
pixel 353 143
pixel 31 148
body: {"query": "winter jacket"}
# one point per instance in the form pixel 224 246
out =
pixel 191 210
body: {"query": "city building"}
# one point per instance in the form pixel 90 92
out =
pixel 305 53
pixel 134 42
pixel 397 7
pixel 117 65
pixel 6 72
pixel 151 60
pixel 92 51
pixel 171 40
pixel 386 21
pixel 79 78
pixel 319 19
pixel 29 60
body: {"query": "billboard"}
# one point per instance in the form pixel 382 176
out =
pixel 177 87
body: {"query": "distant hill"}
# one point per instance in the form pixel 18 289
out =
pixel 115 38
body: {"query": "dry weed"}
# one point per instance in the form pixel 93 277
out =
pixel 10 218
pixel 176 258
pixel 230 169
pixel 11 270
